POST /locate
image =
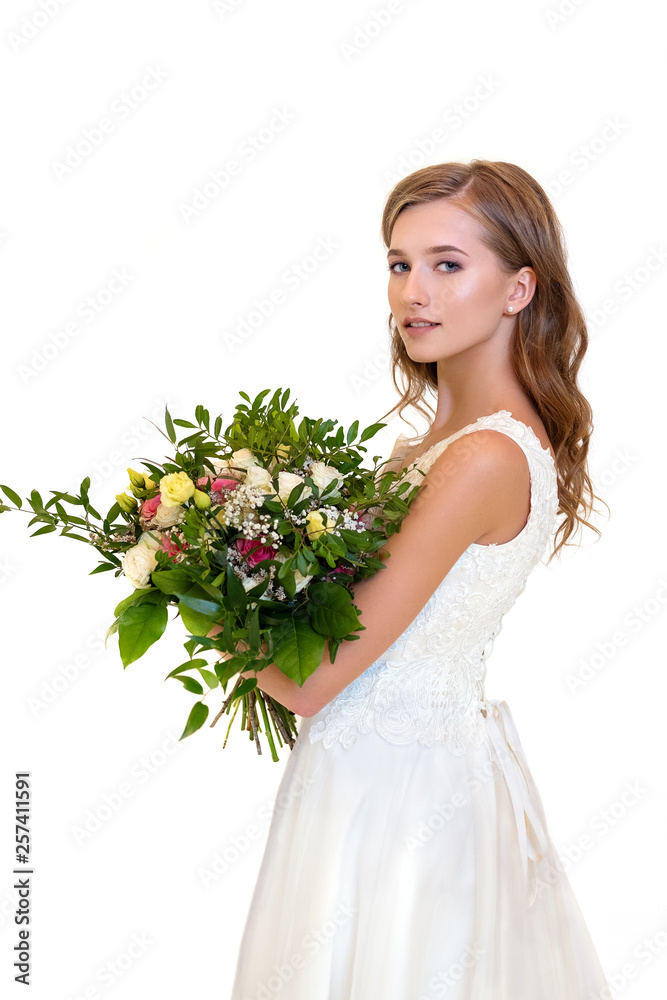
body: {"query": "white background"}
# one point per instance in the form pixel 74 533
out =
pixel 581 92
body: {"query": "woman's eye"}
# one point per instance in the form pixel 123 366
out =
pixel 452 266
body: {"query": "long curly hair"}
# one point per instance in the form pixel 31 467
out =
pixel 550 338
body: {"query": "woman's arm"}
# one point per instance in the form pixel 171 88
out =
pixel 472 489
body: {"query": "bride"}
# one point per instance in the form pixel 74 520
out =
pixel 410 857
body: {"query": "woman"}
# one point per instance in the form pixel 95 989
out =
pixel 408 856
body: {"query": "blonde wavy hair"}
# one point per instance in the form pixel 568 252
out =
pixel 550 337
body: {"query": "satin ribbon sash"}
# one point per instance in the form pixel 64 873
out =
pixel 526 802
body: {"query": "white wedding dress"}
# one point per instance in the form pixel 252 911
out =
pixel 408 856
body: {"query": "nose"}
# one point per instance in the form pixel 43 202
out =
pixel 414 289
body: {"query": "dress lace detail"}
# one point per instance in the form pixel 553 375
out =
pixel 428 685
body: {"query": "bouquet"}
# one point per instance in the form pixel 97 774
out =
pixel 255 534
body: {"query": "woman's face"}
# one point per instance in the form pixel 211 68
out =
pixel 441 272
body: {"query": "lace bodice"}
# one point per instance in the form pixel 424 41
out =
pixel 429 684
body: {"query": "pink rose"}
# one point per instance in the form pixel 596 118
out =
pixel 149 507
pixel 218 484
pixel 257 551
pixel 219 488
pixel 173 549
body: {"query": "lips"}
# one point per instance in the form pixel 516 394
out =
pixel 419 323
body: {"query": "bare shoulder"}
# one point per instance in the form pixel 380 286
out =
pixel 485 473
pixel 483 457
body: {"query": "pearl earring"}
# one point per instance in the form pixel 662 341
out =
pixel 510 309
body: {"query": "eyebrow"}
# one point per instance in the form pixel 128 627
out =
pixel 430 250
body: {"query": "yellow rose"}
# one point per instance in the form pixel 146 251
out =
pixel 176 488
pixel 316 526
pixel 202 500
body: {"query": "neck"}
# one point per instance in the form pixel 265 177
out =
pixel 473 384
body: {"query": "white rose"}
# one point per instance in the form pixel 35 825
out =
pixel 243 459
pixel 139 561
pixel 167 517
pixel 322 475
pixel 299 579
pixel 286 483
pixel 220 466
pixel 259 476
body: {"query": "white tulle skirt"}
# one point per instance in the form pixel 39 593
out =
pixel 407 873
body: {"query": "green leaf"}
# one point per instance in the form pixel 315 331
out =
pixel 208 677
pixel 36 501
pixel 196 719
pixel 170 426
pixel 111 630
pixel 352 433
pixel 113 513
pixel 134 598
pixel 195 622
pixel 188 591
pixel 298 649
pixel 74 519
pixel 14 497
pixel 247 685
pixel 188 665
pixel 62 513
pixel 190 684
pixel 370 431
pixel 235 591
pixel 331 611
pixel 253 630
pixel 70 534
pixel 225 669
pixel 295 494
pixel 101 568
pixel 139 627
pixel 44 530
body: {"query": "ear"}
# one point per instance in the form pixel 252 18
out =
pixel 522 289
